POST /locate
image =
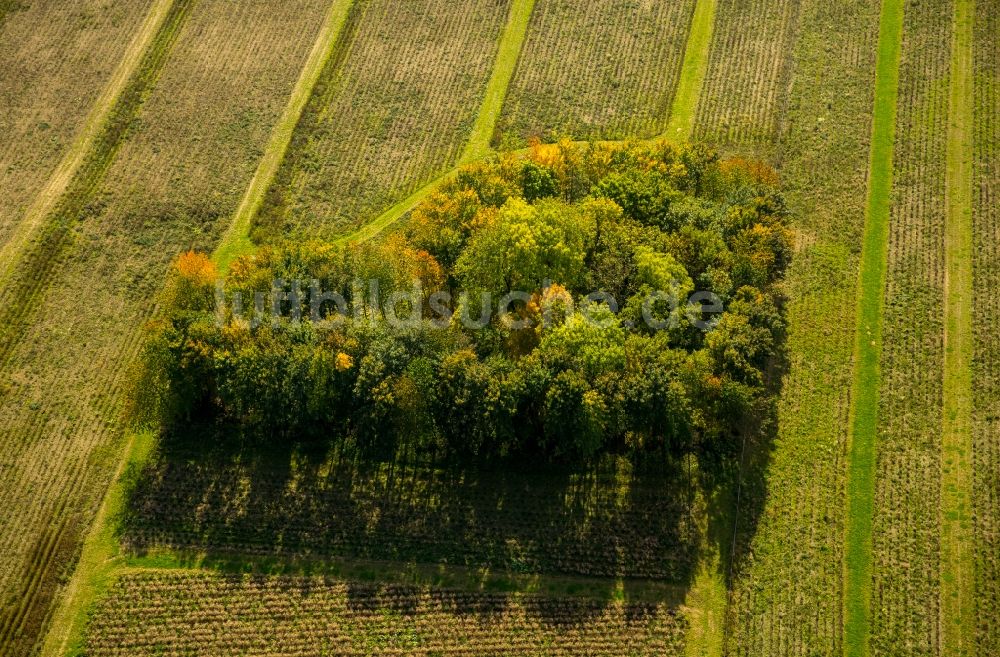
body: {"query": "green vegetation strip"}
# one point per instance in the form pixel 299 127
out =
pixel 236 241
pixel 496 91
pixel 92 129
pixel 685 104
pixel 957 557
pixel 868 350
pixel 100 559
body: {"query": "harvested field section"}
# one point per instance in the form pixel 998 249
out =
pixel 905 530
pixel 746 85
pixel 600 69
pixel 786 596
pixel 986 371
pixel 57 56
pixel 177 613
pixel 387 115
pixel 177 177
pixel 608 522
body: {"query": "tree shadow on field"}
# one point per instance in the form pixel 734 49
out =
pixel 732 477
pixel 210 490
pixel 392 615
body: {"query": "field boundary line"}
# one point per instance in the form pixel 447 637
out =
pixel 100 559
pixel 680 125
pixel 236 240
pixel 864 407
pixel 71 162
pixel 957 558
pixel 508 54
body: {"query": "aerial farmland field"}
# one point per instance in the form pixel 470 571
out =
pixel 986 431
pixel 746 90
pixel 57 58
pixel 384 119
pixel 92 282
pixel 598 70
pixel 499 327
pixel 906 562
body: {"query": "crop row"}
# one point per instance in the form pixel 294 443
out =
pixel 787 596
pixel 600 69
pixel 539 523
pixel 170 178
pixel 392 110
pixel 167 613
pixel 746 85
pixel 986 272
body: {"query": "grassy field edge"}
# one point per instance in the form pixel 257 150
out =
pixel 92 128
pixel 860 493
pixel 236 241
pixel 958 621
pixel 696 53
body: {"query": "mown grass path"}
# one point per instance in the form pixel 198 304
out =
pixel 957 556
pixel 685 105
pixel 868 349
pixel 92 128
pixel 236 241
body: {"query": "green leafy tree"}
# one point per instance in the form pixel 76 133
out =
pixel 526 247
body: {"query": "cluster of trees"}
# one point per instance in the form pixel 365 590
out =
pixel 565 374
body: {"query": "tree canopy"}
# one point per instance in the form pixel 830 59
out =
pixel 557 305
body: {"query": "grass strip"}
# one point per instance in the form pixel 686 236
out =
pixel 511 43
pixel 868 349
pixel 100 559
pixel 93 128
pixel 957 556
pixel 682 112
pixel 236 240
